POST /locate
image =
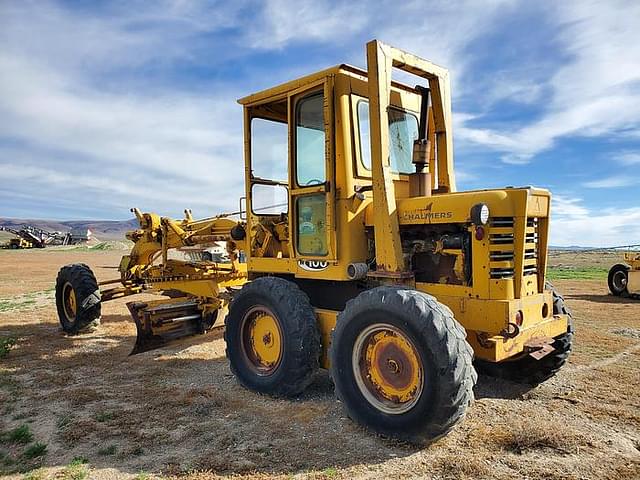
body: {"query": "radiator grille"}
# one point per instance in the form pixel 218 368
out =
pixel 531 247
pixel 501 245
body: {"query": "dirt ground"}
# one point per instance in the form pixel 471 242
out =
pixel 179 411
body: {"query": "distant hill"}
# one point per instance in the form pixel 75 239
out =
pixel 576 248
pixel 100 229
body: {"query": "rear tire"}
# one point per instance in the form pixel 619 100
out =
pixel 527 370
pixel 401 364
pixel 77 298
pixel 618 279
pixel 272 336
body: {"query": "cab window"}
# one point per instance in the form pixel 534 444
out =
pixel 312 234
pixel 310 141
pixel 269 149
pixel 403 130
pixel 269 162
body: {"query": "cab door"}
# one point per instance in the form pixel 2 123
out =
pixel 312 177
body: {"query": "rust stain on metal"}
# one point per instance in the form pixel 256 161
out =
pixel 539 347
pixel 394 366
pixel 543 352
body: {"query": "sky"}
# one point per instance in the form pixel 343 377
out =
pixel 109 105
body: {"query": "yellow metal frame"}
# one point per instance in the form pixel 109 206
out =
pixel 633 275
pixel 381 59
pixel 499 348
pixel 325 86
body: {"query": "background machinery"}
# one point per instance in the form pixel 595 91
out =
pixel 26 237
pixel 359 256
pixel 624 278
pixel 29 236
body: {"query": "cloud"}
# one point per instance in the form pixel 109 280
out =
pixel 568 207
pixel 95 93
pixel 152 130
pixel 150 140
pixel 628 158
pixel 613 182
pixel 283 22
pixel 114 35
pixel 573 223
pixel 441 32
pixel 593 92
pixel 80 119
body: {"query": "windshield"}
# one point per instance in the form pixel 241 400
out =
pixel 403 130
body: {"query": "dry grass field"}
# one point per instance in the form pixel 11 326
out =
pixel 80 407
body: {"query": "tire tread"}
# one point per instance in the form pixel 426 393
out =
pixel 85 285
pixel 304 331
pixel 445 338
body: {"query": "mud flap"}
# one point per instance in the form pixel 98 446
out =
pixel 159 324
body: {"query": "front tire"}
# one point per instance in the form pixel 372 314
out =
pixel 272 336
pixel 401 364
pixel 77 298
pixel 618 279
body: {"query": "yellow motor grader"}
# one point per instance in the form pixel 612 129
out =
pixel 353 252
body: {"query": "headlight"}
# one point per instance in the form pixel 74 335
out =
pixel 480 214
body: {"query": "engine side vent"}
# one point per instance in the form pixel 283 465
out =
pixel 501 247
pixel 531 247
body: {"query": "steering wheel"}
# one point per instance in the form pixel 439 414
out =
pixel 313 181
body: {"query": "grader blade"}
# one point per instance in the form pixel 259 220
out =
pixel 160 324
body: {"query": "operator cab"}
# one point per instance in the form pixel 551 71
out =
pixel 308 169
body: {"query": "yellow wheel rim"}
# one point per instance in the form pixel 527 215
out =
pixel 69 301
pixel 388 368
pixel 262 340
